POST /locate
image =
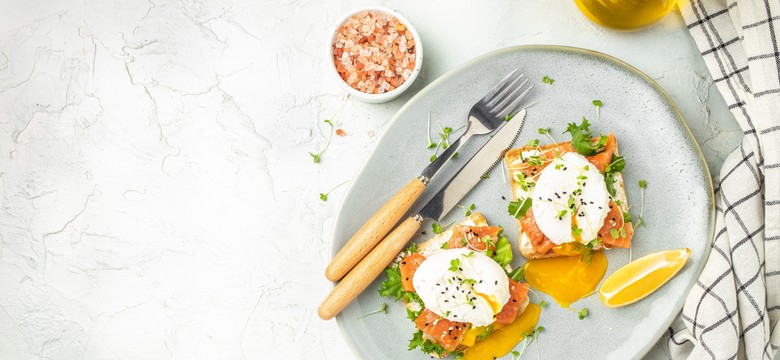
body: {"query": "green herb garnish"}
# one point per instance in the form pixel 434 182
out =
pixel 516 274
pixel 642 187
pixel 581 138
pixel 615 166
pixel 548 80
pixel 436 228
pixel 391 287
pixel 316 157
pixel 518 208
pixel 503 254
pixel 454 265
pixel 485 332
pixel 598 104
pixel 583 313
pixel 382 309
pixel 468 209
pixel 324 197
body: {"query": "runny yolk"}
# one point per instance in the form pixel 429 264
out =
pixel 566 278
pixel 492 301
pixel 503 340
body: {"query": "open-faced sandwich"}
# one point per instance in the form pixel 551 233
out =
pixel 458 288
pixel 569 196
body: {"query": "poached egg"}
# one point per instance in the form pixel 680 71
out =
pixel 570 200
pixel 462 285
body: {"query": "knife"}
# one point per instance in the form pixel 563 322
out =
pixel 383 254
pixel 484 117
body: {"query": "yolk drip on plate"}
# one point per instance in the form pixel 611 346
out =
pixel 503 340
pixel 566 278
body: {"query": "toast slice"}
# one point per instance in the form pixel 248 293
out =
pixel 435 243
pixel 514 162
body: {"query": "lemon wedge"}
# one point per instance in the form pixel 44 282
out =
pixel 641 277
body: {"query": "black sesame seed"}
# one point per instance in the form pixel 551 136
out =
pixel 496 282
pixel 403 262
pixel 426 324
pixel 473 307
pixel 407 278
pixel 514 300
pixel 591 202
pixel 548 199
pixel 445 300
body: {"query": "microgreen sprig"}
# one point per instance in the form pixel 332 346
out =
pixel 468 209
pixel 316 157
pixel 598 104
pixel 548 80
pixel 642 187
pixel 431 144
pixel 324 197
pixel 382 309
pixel 546 131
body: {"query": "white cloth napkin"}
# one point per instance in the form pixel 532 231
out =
pixel 733 309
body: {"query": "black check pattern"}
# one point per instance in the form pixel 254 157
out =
pixel 733 310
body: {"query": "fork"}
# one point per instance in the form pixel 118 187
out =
pixel 484 117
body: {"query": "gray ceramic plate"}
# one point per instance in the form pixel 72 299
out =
pixel 654 139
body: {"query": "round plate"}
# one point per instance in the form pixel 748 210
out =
pixel 653 138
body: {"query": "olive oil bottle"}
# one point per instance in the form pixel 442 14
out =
pixel 625 15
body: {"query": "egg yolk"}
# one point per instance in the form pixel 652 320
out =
pixel 492 301
pixel 503 340
pixel 566 278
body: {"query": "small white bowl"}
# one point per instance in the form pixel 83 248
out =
pixel 390 95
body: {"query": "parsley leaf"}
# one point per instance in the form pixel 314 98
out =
pixel 548 80
pixel 543 304
pixel 436 228
pixel 503 254
pixel 581 138
pixel 519 208
pixel 391 287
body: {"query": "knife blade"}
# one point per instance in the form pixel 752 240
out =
pixel 442 202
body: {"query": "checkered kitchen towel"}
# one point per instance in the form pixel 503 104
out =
pixel 733 309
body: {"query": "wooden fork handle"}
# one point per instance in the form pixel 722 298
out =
pixel 368 269
pixel 375 229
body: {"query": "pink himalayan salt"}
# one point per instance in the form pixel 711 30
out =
pixel 373 52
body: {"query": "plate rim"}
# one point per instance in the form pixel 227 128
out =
pixel 678 305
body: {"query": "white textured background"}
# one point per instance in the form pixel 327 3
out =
pixel 157 199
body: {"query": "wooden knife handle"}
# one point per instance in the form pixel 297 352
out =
pixel 368 269
pixel 375 229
